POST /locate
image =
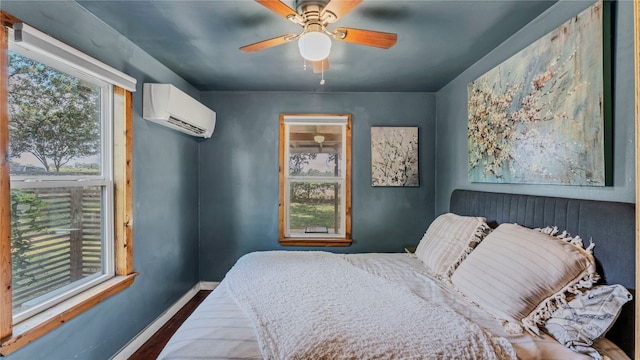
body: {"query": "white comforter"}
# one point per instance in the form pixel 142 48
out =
pixel 314 305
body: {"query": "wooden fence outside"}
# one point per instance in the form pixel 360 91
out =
pixel 67 249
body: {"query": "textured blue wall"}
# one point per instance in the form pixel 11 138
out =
pixel 239 173
pixel 452 119
pixel 233 176
pixel 165 195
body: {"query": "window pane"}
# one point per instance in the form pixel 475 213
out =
pixel 55 241
pixel 315 150
pixel 54 121
pixel 315 208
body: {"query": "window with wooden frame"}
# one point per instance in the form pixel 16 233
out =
pixel 315 180
pixel 65 183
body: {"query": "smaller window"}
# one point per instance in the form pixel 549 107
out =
pixel 315 180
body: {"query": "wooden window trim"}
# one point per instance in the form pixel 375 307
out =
pixel 15 336
pixel 123 179
pixel 5 197
pixel 38 325
pixel 294 241
pixel 636 50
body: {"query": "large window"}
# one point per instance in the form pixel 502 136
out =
pixel 67 229
pixel 315 180
pixel 61 181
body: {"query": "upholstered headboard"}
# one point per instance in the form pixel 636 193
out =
pixel 610 225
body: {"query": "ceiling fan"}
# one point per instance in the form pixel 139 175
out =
pixel 314 42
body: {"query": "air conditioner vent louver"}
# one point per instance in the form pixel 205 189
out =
pixel 186 125
pixel 169 106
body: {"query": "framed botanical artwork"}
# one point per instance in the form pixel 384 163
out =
pixel 543 116
pixel 394 156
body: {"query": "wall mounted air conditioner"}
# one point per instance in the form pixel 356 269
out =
pixel 169 106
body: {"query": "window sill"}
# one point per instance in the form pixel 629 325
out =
pixel 314 242
pixel 28 330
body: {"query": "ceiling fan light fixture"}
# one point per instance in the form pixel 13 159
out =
pixel 314 46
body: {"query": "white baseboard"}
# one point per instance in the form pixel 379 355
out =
pixel 146 334
pixel 208 285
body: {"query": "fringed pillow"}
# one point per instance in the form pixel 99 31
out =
pixel 448 241
pixel 522 275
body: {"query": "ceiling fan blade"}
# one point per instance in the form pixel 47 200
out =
pixel 265 44
pixel 377 39
pixel 320 66
pixel 339 8
pixel 278 7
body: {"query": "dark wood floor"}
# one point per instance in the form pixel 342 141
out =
pixel 152 348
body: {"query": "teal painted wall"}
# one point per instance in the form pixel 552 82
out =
pixel 451 140
pixel 198 206
pixel 165 195
pixel 239 173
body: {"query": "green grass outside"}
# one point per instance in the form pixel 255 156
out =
pixel 302 215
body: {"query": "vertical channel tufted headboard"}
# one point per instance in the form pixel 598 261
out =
pixel 610 225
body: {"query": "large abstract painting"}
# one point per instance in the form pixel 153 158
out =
pixel 541 117
pixel 394 156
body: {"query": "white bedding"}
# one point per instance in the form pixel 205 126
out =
pixel 317 305
pixel 219 329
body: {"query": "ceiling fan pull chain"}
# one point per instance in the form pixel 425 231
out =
pixel 304 66
pixel 322 80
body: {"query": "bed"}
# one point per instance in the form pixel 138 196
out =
pixel 403 305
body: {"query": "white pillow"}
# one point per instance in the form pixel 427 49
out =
pixel 448 241
pixel 521 275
